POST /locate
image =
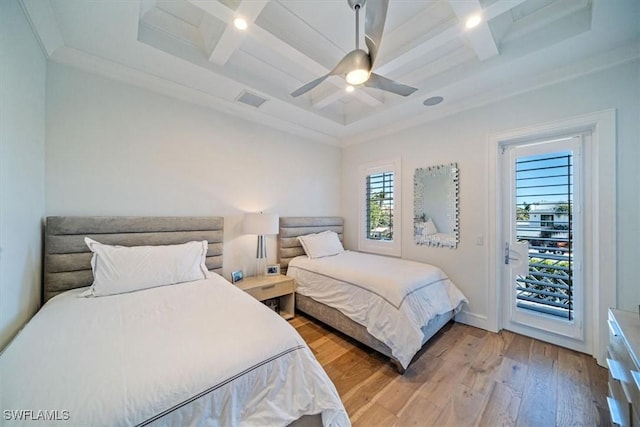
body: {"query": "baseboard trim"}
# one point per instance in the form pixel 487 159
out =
pixel 474 319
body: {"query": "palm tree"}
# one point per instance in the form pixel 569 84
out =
pixel 522 213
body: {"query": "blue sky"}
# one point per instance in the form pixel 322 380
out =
pixel 548 174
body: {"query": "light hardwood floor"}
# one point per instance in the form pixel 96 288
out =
pixel 463 377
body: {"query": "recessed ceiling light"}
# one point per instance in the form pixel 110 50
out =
pixel 240 23
pixel 349 88
pixel 434 100
pixel 473 21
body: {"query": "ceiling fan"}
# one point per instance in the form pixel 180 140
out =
pixel 356 66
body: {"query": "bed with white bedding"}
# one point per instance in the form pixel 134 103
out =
pixel 200 352
pixel 400 304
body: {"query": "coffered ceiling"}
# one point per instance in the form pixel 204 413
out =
pixel 190 49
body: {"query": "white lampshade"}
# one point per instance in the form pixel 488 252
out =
pixel 260 223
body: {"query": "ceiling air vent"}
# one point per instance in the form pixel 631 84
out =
pixel 250 99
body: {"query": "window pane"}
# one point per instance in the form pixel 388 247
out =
pixel 379 194
pixel 544 201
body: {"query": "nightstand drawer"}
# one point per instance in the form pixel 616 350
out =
pixel 271 290
pixel 267 287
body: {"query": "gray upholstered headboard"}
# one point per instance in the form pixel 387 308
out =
pixel 291 227
pixel 67 260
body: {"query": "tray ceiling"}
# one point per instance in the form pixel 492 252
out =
pixel 191 49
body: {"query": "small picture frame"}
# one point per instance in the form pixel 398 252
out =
pixel 236 276
pixel 272 270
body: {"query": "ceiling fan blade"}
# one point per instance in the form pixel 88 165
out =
pixel 383 83
pixel 345 65
pixel 306 88
pixel 376 15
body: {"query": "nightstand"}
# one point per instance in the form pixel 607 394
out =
pixel 266 287
pixel 624 375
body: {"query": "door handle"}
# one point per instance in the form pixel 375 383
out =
pixel 508 258
pixel 506 253
pixel 521 261
pixel 508 250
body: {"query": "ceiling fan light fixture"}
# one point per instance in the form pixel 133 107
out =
pixel 357 76
pixel 473 21
pixel 240 23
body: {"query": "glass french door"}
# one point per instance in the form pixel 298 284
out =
pixel 543 237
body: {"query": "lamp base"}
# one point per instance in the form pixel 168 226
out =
pixel 261 256
pixel 261 266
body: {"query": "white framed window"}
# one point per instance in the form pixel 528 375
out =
pixel 379 191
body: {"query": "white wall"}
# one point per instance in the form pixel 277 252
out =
pixel 115 149
pixel 22 117
pixel 463 138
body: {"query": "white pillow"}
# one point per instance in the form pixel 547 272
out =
pixel 429 228
pixel 322 244
pixel 119 269
pixel 309 237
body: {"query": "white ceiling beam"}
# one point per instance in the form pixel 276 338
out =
pixel 545 16
pixel 146 6
pixel 500 7
pixel 273 43
pixel 482 41
pixel 455 30
pixel 232 37
pixel 215 8
pixel 330 99
pixel 396 37
pixel 44 25
pixel 364 97
pixel 479 37
pixel 420 50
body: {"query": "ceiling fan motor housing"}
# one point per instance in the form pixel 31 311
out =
pixel 358 59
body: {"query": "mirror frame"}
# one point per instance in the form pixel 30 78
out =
pixel 452 237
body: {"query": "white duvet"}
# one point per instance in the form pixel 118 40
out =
pixel 197 353
pixel 393 298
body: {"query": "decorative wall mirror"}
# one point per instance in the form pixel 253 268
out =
pixel 435 206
